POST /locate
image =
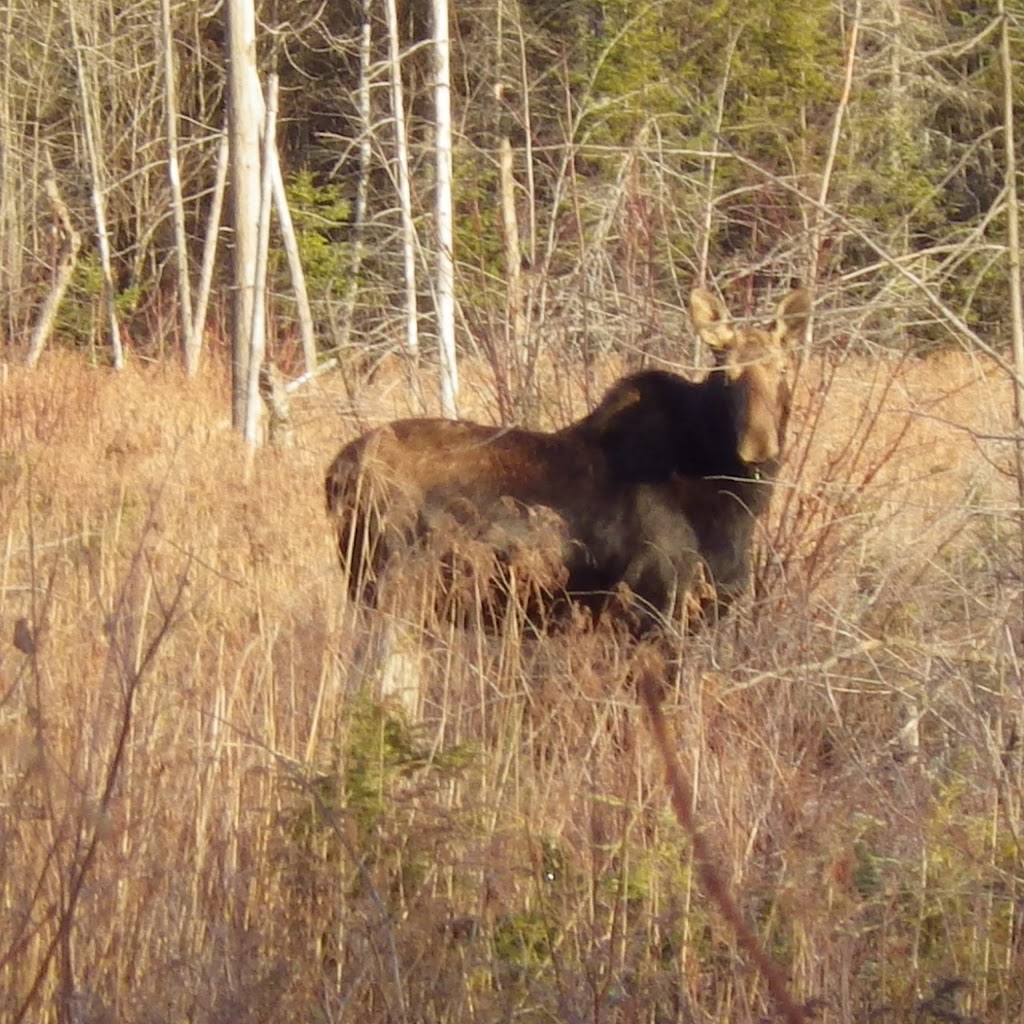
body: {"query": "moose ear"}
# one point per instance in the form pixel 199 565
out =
pixel 792 315
pixel 711 318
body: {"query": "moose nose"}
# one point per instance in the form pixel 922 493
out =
pixel 760 426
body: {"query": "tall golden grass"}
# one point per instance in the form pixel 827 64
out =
pixel 207 814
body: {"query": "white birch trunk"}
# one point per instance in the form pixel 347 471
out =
pixel 13 169
pixel 363 185
pixel 412 342
pixel 291 249
pixel 272 173
pixel 513 258
pixel 258 331
pixel 245 104
pixel 445 286
pixel 190 351
pixel 210 249
pixel 531 190
pixel 67 255
pixel 90 119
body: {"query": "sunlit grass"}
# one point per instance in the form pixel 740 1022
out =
pixel 208 814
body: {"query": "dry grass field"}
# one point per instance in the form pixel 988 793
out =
pixel 208 815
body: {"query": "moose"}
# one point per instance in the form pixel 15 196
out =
pixel 663 480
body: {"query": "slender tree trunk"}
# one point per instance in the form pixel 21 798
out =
pixel 209 250
pixel 1012 215
pixel 363 184
pixel 190 350
pixel 244 134
pixel 12 234
pixel 67 255
pixel 513 258
pixel 443 212
pixel 90 118
pixel 272 173
pixel 412 343
pixel 1013 249
pixel 531 190
pixel 529 341
pixel 258 331
pixel 515 357
pixel 818 213
pixel 303 311
pixel 291 249
pixel 707 224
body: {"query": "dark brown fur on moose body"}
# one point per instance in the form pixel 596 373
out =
pixel 664 476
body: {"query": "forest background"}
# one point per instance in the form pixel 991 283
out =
pixel 857 150
pixel 206 814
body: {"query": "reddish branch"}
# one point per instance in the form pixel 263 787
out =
pixel 711 880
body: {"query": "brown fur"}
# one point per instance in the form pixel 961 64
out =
pixel 663 477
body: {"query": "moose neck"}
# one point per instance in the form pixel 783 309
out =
pixel 708 440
